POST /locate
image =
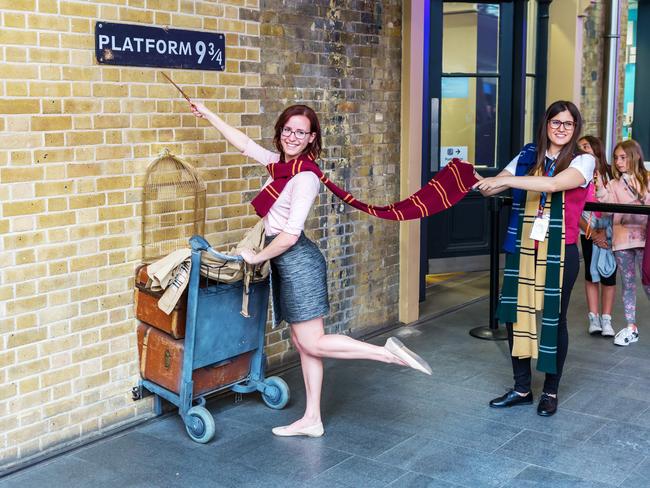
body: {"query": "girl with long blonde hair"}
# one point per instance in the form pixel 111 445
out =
pixel 629 186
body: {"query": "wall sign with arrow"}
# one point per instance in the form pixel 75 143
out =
pixel 447 153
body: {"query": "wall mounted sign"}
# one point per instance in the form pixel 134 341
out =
pixel 141 45
pixel 447 153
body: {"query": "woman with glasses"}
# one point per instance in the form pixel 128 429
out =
pixel 549 181
pixel 298 268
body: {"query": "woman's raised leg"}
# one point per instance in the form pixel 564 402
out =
pixel 313 340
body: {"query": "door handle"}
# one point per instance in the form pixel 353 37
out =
pixel 435 135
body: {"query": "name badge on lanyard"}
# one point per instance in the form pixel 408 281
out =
pixel 542 221
pixel 540 228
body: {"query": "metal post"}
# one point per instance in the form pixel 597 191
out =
pixel 610 88
pixel 491 332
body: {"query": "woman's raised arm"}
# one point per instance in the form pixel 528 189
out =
pixel 234 136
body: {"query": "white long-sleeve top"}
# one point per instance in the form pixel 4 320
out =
pixel 290 210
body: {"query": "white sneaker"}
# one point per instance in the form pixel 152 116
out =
pixel 627 336
pixel 594 323
pixel 606 324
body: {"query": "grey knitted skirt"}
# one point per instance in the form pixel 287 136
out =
pixel 299 283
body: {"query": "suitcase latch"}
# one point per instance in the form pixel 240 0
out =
pixel 168 359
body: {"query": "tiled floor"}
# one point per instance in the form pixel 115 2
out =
pixel 394 427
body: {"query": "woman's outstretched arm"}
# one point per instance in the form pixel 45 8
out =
pixel 566 180
pixel 234 136
pixel 492 190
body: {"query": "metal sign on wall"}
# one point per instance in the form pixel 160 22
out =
pixel 140 45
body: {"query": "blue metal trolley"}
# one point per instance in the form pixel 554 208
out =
pixel 215 334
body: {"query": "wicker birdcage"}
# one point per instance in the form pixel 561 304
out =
pixel 173 207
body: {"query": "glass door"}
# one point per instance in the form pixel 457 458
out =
pixel 480 75
pixel 469 84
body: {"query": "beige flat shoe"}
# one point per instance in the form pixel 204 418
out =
pixel 315 430
pixel 396 348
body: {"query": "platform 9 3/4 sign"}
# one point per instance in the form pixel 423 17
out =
pixel 140 45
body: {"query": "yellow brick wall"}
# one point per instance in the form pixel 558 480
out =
pixel 75 141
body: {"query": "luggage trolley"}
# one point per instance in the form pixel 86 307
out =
pixel 217 334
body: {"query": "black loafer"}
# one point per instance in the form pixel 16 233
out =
pixel 547 405
pixel 511 399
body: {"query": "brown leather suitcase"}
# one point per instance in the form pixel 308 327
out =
pixel 161 361
pixel 147 311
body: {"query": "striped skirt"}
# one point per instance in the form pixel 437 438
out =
pixel 299 283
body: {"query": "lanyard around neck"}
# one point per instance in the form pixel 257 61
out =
pixel 549 170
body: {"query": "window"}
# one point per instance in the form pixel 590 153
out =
pixel 470 82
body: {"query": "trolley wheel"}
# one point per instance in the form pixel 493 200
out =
pixel 199 424
pixel 276 392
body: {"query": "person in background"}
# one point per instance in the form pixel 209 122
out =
pixel 604 290
pixel 629 186
pixel 550 188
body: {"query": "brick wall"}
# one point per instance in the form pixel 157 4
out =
pixel 593 75
pixel 75 143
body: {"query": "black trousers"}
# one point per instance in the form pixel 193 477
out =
pixel 521 367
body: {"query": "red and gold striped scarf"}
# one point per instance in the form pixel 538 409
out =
pixel 444 190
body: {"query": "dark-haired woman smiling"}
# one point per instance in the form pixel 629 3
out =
pixel 550 180
pixel 299 272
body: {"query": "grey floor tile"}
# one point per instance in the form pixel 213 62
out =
pixel 638 390
pixel 455 427
pixel 576 378
pixel 357 471
pixel 640 476
pixel 635 480
pixel 564 428
pixel 493 380
pixel 126 451
pixel 59 472
pixel 323 483
pixel 536 477
pixel 583 461
pixel 363 436
pixel 454 464
pixel 643 418
pixel 633 367
pixel 605 404
pixel 415 480
pixel 640 349
pixel 297 459
pixel 630 438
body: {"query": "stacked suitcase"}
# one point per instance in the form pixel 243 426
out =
pixel 161 345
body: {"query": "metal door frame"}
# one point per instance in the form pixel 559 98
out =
pixel 512 83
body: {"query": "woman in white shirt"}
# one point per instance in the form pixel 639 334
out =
pixel 299 270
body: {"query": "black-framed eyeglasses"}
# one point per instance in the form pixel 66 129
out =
pixel 568 124
pixel 298 133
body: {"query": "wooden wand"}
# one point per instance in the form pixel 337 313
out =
pixel 177 87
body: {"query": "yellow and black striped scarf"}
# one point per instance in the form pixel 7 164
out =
pixel 532 281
